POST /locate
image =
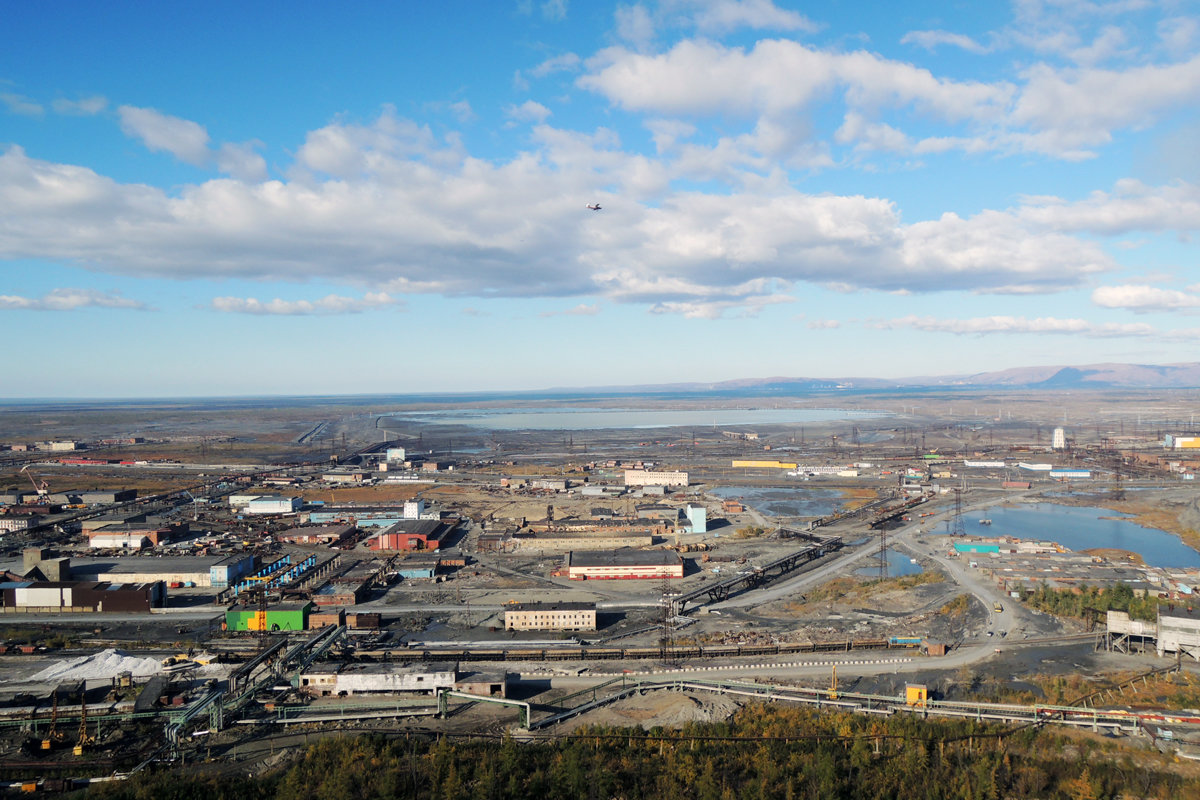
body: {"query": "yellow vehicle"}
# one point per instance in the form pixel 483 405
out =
pixel 997 607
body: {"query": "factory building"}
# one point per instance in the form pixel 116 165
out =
pixel 344 476
pixel 328 535
pixel 362 516
pixel 1175 442
pixel 273 504
pixel 10 524
pixel 642 477
pixel 550 617
pixel 407 535
pixel 697 517
pixel 1063 473
pixel 623 565
pixel 230 570
pixel 31 597
pixel 134 536
pixel 279 617
pixel 395 455
pixel 417 568
pixel 1179 631
pixel 338 680
pixel 559 542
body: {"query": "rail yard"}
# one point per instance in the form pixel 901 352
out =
pixel 175 594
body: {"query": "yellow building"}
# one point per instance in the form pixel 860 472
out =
pixel 764 464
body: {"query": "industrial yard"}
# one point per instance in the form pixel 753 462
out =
pixel 164 597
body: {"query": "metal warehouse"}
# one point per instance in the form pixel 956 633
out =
pixel 80 596
pixel 279 617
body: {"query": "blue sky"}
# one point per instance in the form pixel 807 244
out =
pixel 307 198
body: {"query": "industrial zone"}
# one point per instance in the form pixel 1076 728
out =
pixel 176 596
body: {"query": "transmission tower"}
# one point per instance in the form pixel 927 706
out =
pixel 667 634
pixel 958 529
pixel 883 550
pixel 1118 487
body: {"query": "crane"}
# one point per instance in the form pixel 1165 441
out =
pixel 42 488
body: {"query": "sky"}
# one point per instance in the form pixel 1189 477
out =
pixel 229 198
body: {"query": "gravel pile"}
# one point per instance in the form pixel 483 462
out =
pixel 103 665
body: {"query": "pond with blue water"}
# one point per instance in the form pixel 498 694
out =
pixel 1083 528
pixel 899 563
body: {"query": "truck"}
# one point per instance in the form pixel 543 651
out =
pixel 998 607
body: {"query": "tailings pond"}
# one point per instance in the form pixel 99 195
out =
pixel 1083 528
pixel 784 502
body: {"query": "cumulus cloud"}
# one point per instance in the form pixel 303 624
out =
pixel 1142 299
pixel 70 300
pixel 182 138
pixel 529 111
pixel 241 161
pixel 330 304
pixel 1070 111
pixel 1131 206
pixel 1007 324
pixel 389 207
pixel 776 76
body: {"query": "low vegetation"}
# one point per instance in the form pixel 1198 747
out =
pixel 1076 602
pixel 763 752
pixel 957 607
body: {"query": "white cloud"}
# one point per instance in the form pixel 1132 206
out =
pixel 83 107
pixel 565 62
pixel 554 9
pixel 388 206
pixel 723 16
pixel 747 307
pixel 462 111
pixel 931 40
pixel 777 76
pixel 242 162
pixel 824 324
pixel 70 300
pixel 1179 35
pixel 1142 299
pixel 1069 111
pixel 182 138
pixel 581 310
pixel 330 304
pixel 635 26
pixel 1130 206
pixel 978 326
pixel 529 111
pixel 19 104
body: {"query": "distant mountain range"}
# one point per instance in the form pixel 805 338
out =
pixel 1090 376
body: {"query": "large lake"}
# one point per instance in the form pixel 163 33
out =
pixel 1082 528
pixel 568 418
